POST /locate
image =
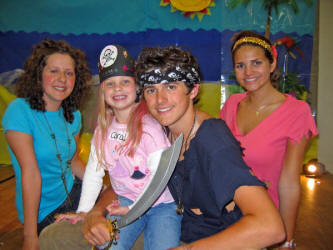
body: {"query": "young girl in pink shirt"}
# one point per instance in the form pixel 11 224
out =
pixel 272 127
pixel 128 144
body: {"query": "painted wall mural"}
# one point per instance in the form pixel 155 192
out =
pixel 136 24
pixel 207 32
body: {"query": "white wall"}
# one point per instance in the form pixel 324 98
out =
pixel 325 84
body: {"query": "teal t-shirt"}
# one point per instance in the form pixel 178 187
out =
pixel 20 117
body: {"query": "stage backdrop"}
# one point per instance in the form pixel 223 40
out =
pixel 90 25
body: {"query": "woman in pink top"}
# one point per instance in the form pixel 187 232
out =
pixel 272 127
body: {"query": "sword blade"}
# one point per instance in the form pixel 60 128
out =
pixel 156 186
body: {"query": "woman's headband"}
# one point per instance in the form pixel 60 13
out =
pixel 176 74
pixel 256 41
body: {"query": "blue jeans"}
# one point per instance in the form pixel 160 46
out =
pixel 161 226
pixel 64 207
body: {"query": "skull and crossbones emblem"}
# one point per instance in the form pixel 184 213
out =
pixel 108 56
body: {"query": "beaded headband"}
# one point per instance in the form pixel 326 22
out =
pixel 188 75
pixel 256 41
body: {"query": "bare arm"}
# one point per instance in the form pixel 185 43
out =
pixel 22 146
pixel 95 228
pixel 78 167
pixel 260 226
pixel 289 185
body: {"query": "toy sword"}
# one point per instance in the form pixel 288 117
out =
pixel 153 190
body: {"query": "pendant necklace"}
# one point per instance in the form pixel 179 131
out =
pixel 180 206
pixel 68 162
pixel 264 106
pixel 261 108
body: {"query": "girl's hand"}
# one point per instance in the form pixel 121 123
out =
pixel 74 217
pixel 115 209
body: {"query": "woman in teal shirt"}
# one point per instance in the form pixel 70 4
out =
pixel 42 129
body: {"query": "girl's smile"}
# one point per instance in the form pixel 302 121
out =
pixel 120 94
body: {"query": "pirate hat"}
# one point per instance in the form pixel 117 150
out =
pixel 115 60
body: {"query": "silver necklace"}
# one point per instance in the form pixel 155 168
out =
pixel 180 206
pixel 58 155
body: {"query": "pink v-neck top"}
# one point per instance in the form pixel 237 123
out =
pixel 265 145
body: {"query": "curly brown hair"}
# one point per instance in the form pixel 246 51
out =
pixel 165 59
pixel 275 75
pixel 30 85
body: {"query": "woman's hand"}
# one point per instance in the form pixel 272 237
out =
pixel 74 217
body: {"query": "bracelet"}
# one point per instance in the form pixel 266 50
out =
pixel 289 244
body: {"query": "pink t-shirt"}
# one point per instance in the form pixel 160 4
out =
pixel 265 145
pixel 128 175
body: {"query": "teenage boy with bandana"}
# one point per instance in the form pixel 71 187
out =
pixel 224 206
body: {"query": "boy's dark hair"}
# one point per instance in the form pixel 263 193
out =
pixel 165 59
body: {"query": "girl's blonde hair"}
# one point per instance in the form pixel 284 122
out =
pixel 104 121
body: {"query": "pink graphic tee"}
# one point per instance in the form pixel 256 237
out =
pixel 128 175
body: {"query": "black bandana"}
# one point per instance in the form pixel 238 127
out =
pixel 187 75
